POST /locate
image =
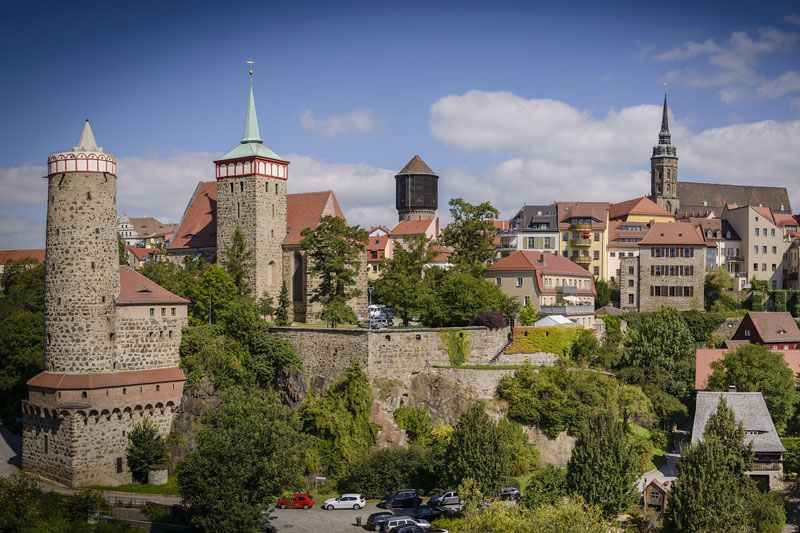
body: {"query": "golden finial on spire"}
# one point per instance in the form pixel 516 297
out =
pixel 665 84
pixel 250 62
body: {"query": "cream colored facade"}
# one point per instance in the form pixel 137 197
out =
pixel 589 252
pixel 763 244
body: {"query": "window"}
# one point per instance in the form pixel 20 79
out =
pixel 163 311
pixel 596 271
pixel 755 248
pixel 45 444
pixel 276 188
pixel 630 283
pixel 231 187
pixel 630 270
pixel 597 254
pixel 596 236
pixel 756 232
pixel 772 232
pixel 755 266
pixel 763 267
pixel 172 311
pixel 773 269
pixel 119 465
pixel 498 281
pixel 774 249
pixel 565 237
pixel 527 301
pixel 747 333
pixel 565 254
pixel 630 298
pixel 124 390
pixel 83 394
pixel 152 311
pixel 519 282
pixel 614 254
pixel 763 249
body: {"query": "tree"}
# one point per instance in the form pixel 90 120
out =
pixel 662 343
pixel 338 312
pixel 249 450
pixel 266 305
pixel 528 315
pixel 478 450
pixel 335 252
pixel 237 258
pixel 603 289
pixel 471 234
pixel 635 405
pixel 145 448
pixel 546 486
pixel 282 312
pixel 602 468
pixel 453 297
pixel 22 284
pixel 717 280
pixel 754 368
pixel 401 276
pixel 21 358
pixel 416 421
pixel 585 346
pixel 712 492
pixel 216 292
pixel 121 249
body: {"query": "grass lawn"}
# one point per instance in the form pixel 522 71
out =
pixel 171 488
pixel 658 453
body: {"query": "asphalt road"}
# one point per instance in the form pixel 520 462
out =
pixel 316 520
pixel 10 452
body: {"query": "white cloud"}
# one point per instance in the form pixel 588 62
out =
pixel 360 120
pixel 794 18
pixel 18 232
pixel 731 66
pixel 23 185
pixel 561 153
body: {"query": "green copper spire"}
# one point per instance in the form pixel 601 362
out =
pixel 664 137
pixel 251 134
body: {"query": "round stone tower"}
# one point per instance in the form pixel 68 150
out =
pixel 417 191
pixel 82 259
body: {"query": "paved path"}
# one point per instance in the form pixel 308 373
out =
pixel 667 472
pixel 792 499
pixel 10 452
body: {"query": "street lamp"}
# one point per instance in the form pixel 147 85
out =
pixel 318 478
pixel 369 305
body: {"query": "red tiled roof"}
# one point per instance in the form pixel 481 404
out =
pixel 615 233
pixel 782 219
pixel 16 255
pixel 141 253
pixel 377 244
pixel 500 225
pixel 637 206
pixel 548 263
pixel 674 233
pixel 101 380
pixel 412 227
pixel 775 327
pixel 135 289
pixel 149 225
pixel 198 227
pixel 443 255
pixel 304 210
pixel 596 210
pixel 705 356
pixel 766 212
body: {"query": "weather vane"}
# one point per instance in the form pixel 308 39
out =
pixel 251 62
pixel 665 83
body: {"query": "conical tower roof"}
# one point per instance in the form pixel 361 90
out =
pixel 251 134
pixel 87 142
pixel 416 166
pixel 664 136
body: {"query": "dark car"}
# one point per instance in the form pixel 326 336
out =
pixel 509 493
pixel 428 512
pixel 375 520
pixel 408 529
pixel 404 498
pixel 448 497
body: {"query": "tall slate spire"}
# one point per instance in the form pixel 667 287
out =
pixel 251 134
pixel 664 137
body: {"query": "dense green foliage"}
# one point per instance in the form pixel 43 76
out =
pixel 334 251
pixel 471 235
pixel 524 456
pixel 337 312
pixel 791 461
pixel 453 297
pixel 457 344
pixel 557 398
pixel 249 449
pixel 401 276
pixel 603 467
pixel 282 312
pixel 546 486
pixel 339 421
pixel 145 448
pixel 388 470
pixel 755 368
pixel 25 507
pixel 237 259
pixel 416 421
pixel 478 450
pixel 566 514
pixel 552 339
pixel 21 333
pixel 585 346
pixel 603 297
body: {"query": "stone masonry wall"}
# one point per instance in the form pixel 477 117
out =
pixel 253 203
pixel 81 272
pixel 148 342
pixel 646 279
pixel 327 352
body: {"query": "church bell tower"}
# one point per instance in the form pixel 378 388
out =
pixel 664 168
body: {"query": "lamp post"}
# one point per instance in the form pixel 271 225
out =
pixel 369 305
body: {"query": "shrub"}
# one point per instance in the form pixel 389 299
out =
pixel 457 344
pixel 552 339
pixel 82 504
pixel 545 487
pixel 383 472
pixel 489 319
pixel 416 421
pixel 145 447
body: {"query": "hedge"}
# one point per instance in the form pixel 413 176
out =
pixel 551 339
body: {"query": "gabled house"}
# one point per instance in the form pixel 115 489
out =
pixel 777 331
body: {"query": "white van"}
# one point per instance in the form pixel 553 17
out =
pixel 374 311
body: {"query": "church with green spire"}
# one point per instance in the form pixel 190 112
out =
pixel 664 168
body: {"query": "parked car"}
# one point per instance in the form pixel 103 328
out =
pixel 393 523
pixel 296 501
pixel 381 322
pixel 448 497
pixel 408 529
pixel 376 520
pixel 345 501
pixel 509 493
pixel 428 512
pixel 402 498
pixel 388 318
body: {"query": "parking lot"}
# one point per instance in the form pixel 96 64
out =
pixel 315 520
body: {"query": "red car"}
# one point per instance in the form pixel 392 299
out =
pixel 297 501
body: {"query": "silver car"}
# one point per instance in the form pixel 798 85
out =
pixel 388 525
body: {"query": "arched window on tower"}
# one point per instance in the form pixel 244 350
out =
pixel 298 278
pixel 238 210
pixel 272 274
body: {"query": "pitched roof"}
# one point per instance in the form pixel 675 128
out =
pixel 616 233
pixel 412 227
pixel 775 327
pixel 543 263
pixel 532 215
pixel 749 409
pixel 673 233
pixel 783 219
pixel 595 210
pixel 705 356
pixel 692 196
pixel 608 310
pixel 637 206
pixel 198 226
pixel 716 224
pixel 377 243
pixel 100 380
pixel 135 289
pixel 142 254
pixel 416 166
pixel 145 226
pixel 16 255
pixel 303 210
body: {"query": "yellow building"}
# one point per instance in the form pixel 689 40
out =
pixel 583 232
pixel 628 224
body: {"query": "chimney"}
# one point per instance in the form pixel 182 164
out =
pixel 731 388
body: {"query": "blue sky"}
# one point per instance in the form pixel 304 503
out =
pixel 508 101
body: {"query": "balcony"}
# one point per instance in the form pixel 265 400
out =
pixel 583 242
pixel 584 228
pixel 766 467
pixel 566 310
pixel 566 289
pixel 582 260
pixel 734 258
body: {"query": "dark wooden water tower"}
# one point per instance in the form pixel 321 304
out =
pixel 417 194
